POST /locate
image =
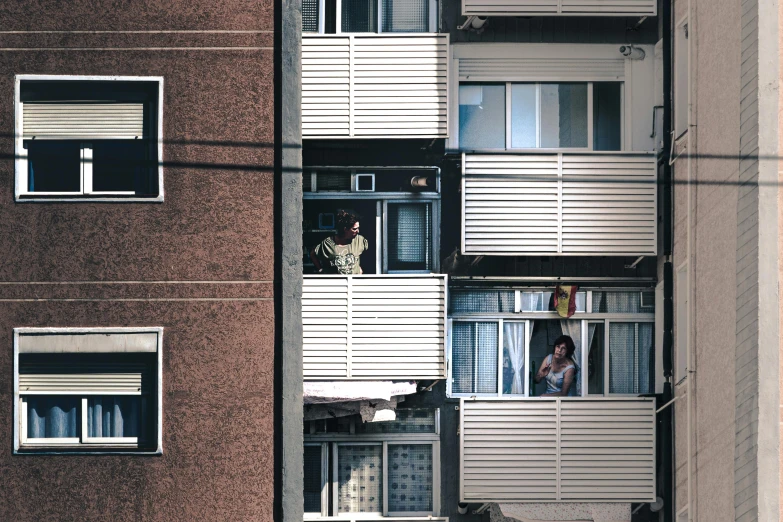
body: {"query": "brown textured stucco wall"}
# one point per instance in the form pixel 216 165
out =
pixel 200 264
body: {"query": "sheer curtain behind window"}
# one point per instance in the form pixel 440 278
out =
pixel 514 348
pixel 113 417
pixel 359 16
pixel 52 417
pixel 360 478
pixel 573 329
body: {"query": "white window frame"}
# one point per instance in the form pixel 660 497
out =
pixel 433 20
pixel 21 192
pixel 508 125
pixel 85 444
pixel 528 317
pixel 330 442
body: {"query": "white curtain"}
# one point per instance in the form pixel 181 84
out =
pixel 113 417
pixel 514 344
pixel 52 417
pixel 573 329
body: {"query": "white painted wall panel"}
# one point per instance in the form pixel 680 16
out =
pixel 559 7
pixel 374 327
pixel 549 450
pixel 568 204
pixel 393 86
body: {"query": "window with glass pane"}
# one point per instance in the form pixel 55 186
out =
pixel 409 237
pixel 310 16
pixel 53 417
pixel 410 478
pixel 359 16
pixel 412 16
pixel 114 417
pixel 607 116
pixel 563 115
pixel 482 116
pixel 477 301
pixel 595 358
pixel 53 166
pixel 409 420
pixel 312 479
pixel 524 115
pixel 360 478
pixel 514 346
pixel 474 357
pixel 631 358
pixel 620 303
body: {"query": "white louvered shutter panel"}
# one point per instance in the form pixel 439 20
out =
pixel 398 327
pixel 609 7
pixel 565 7
pixel 577 449
pixel 326 81
pixel 75 120
pixel 510 204
pixel 509 451
pixel 609 205
pixel 400 86
pixel 325 326
pixel 83 378
pixel 533 68
pixel 607 451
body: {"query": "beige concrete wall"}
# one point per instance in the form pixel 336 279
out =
pixel 713 139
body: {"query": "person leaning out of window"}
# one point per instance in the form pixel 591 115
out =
pixel 559 369
pixel 339 254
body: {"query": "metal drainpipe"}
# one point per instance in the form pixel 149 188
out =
pixel 666 417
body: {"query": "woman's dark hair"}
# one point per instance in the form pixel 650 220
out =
pixel 569 344
pixel 345 220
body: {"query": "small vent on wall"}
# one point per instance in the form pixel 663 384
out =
pixel 333 181
pixel 648 300
pixel 364 183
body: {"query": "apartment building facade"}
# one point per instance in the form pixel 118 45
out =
pixel 492 152
pixel 725 157
pixel 140 308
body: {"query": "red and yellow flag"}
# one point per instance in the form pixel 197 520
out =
pixel 565 300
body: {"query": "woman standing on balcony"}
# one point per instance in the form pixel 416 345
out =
pixel 339 254
pixel 559 369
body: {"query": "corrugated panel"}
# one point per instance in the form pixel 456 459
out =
pixel 540 204
pixel 609 205
pixel 375 86
pixel 83 379
pixel 52 120
pixel 559 7
pixel 325 326
pixel 531 69
pixel 542 450
pixel 374 327
pixel 510 204
pixel 607 451
pixel 508 451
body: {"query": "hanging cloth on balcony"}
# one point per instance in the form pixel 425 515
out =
pixel 565 300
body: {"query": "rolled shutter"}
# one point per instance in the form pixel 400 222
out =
pixel 83 379
pixel 55 120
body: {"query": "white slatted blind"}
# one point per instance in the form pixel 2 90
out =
pixel 609 205
pixel 534 68
pixel 539 450
pixel 508 451
pixel 72 120
pixel 326 78
pixel 607 450
pixel 374 327
pixel 374 86
pixel 83 379
pixel 559 7
pixel 569 204
pixel 510 203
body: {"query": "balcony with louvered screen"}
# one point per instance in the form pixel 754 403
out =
pixel 559 7
pixel 374 327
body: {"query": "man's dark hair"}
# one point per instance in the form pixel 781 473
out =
pixel 345 220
